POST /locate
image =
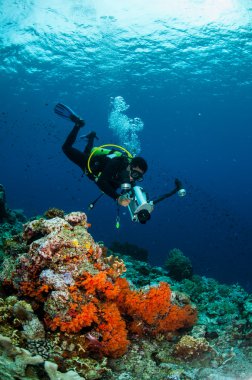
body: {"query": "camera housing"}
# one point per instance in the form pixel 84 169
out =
pixel 140 207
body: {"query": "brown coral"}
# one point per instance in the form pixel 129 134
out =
pixel 190 348
pixel 53 212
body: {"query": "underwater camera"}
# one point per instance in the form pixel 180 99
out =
pixel 140 207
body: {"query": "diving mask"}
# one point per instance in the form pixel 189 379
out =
pixel 136 175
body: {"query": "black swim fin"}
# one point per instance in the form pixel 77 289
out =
pixel 64 111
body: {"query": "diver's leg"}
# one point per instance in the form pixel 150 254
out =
pixel 90 143
pixel 72 153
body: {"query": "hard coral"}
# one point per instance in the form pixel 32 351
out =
pixel 53 212
pixel 178 265
pixel 190 348
pixel 15 362
pixel 75 218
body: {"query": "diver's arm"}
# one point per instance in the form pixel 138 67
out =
pixel 104 180
pixel 104 186
pixel 114 166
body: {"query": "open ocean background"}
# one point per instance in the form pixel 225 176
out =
pixel 185 68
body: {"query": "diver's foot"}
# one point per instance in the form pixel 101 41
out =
pixel 77 120
pixel 80 123
pixel 90 136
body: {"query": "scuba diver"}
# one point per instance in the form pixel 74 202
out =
pixel 108 168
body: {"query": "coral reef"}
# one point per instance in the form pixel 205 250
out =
pixel 69 311
pixel 15 360
pixel 6 215
pixel 3 209
pixel 11 224
pixel 67 277
pixel 178 265
pixel 18 363
pixel 224 326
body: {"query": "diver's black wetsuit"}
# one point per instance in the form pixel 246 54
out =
pixel 113 170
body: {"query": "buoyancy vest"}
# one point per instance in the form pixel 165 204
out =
pixel 110 153
pixel 103 151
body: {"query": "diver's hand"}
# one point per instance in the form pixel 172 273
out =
pixel 123 201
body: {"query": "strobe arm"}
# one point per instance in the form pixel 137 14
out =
pixel 178 189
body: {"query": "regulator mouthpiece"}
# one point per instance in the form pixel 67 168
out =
pixel 182 192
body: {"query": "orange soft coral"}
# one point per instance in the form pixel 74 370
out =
pixel 34 290
pixel 176 318
pixel 100 284
pixel 113 331
pixel 101 312
pixel 85 318
pixel 152 311
pixel 98 301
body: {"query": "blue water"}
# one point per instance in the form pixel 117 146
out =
pixel 184 68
